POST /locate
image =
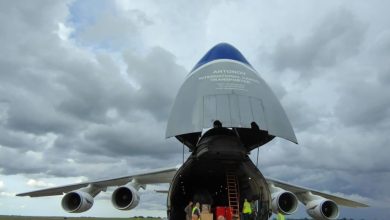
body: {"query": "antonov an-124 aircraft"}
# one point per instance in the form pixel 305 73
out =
pixel 223 110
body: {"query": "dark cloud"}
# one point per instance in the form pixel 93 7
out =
pixel 28 162
pixel 143 138
pixel 33 115
pixel 25 15
pixel 337 100
pixel 96 104
pixel 335 39
pixel 364 88
pixel 365 103
pixel 159 78
pixel 79 108
pixel 19 140
pixel 93 89
pixel 335 160
pixel 301 114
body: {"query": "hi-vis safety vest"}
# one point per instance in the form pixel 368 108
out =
pixel 280 216
pixel 247 208
pixel 194 209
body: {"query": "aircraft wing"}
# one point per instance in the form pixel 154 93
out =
pixel 152 177
pixel 166 175
pixel 301 191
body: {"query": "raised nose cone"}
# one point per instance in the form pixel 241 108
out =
pixel 221 51
pixel 224 88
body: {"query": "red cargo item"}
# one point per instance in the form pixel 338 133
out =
pixel 220 211
pixel 226 212
pixel 229 213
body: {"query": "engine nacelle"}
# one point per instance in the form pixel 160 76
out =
pixel 284 202
pixel 125 198
pixel 322 209
pixel 77 201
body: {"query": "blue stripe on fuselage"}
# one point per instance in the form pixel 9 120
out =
pixel 221 51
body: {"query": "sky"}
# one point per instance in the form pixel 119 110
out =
pixel 86 88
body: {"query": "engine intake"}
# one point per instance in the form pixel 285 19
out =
pixel 125 198
pixel 76 202
pixel 323 209
pixel 284 202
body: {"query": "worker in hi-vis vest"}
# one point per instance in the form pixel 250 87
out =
pixel 196 212
pixel 280 216
pixel 246 210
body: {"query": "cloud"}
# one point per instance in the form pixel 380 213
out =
pixel 365 103
pixel 3 192
pixel 114 30
pixel 86 88
pixel 337 38
pixel 7 194
pixel 76 104
pixel 39 183
pixel 27 162
pixel 303 116
pixel 364 92
pixel 159 78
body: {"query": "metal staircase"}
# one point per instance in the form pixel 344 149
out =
pixel 233 194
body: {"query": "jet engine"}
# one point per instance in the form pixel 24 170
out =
pixel 322 209
pixel 125 198
pixel 284 202
pixel 77 201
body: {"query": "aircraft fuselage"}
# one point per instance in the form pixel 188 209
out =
pixel 224 95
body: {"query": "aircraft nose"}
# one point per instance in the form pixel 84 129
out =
pixel 221 51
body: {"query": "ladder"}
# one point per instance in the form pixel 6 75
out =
pixel 233 194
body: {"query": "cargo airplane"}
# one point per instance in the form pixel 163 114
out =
pixel 223 110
